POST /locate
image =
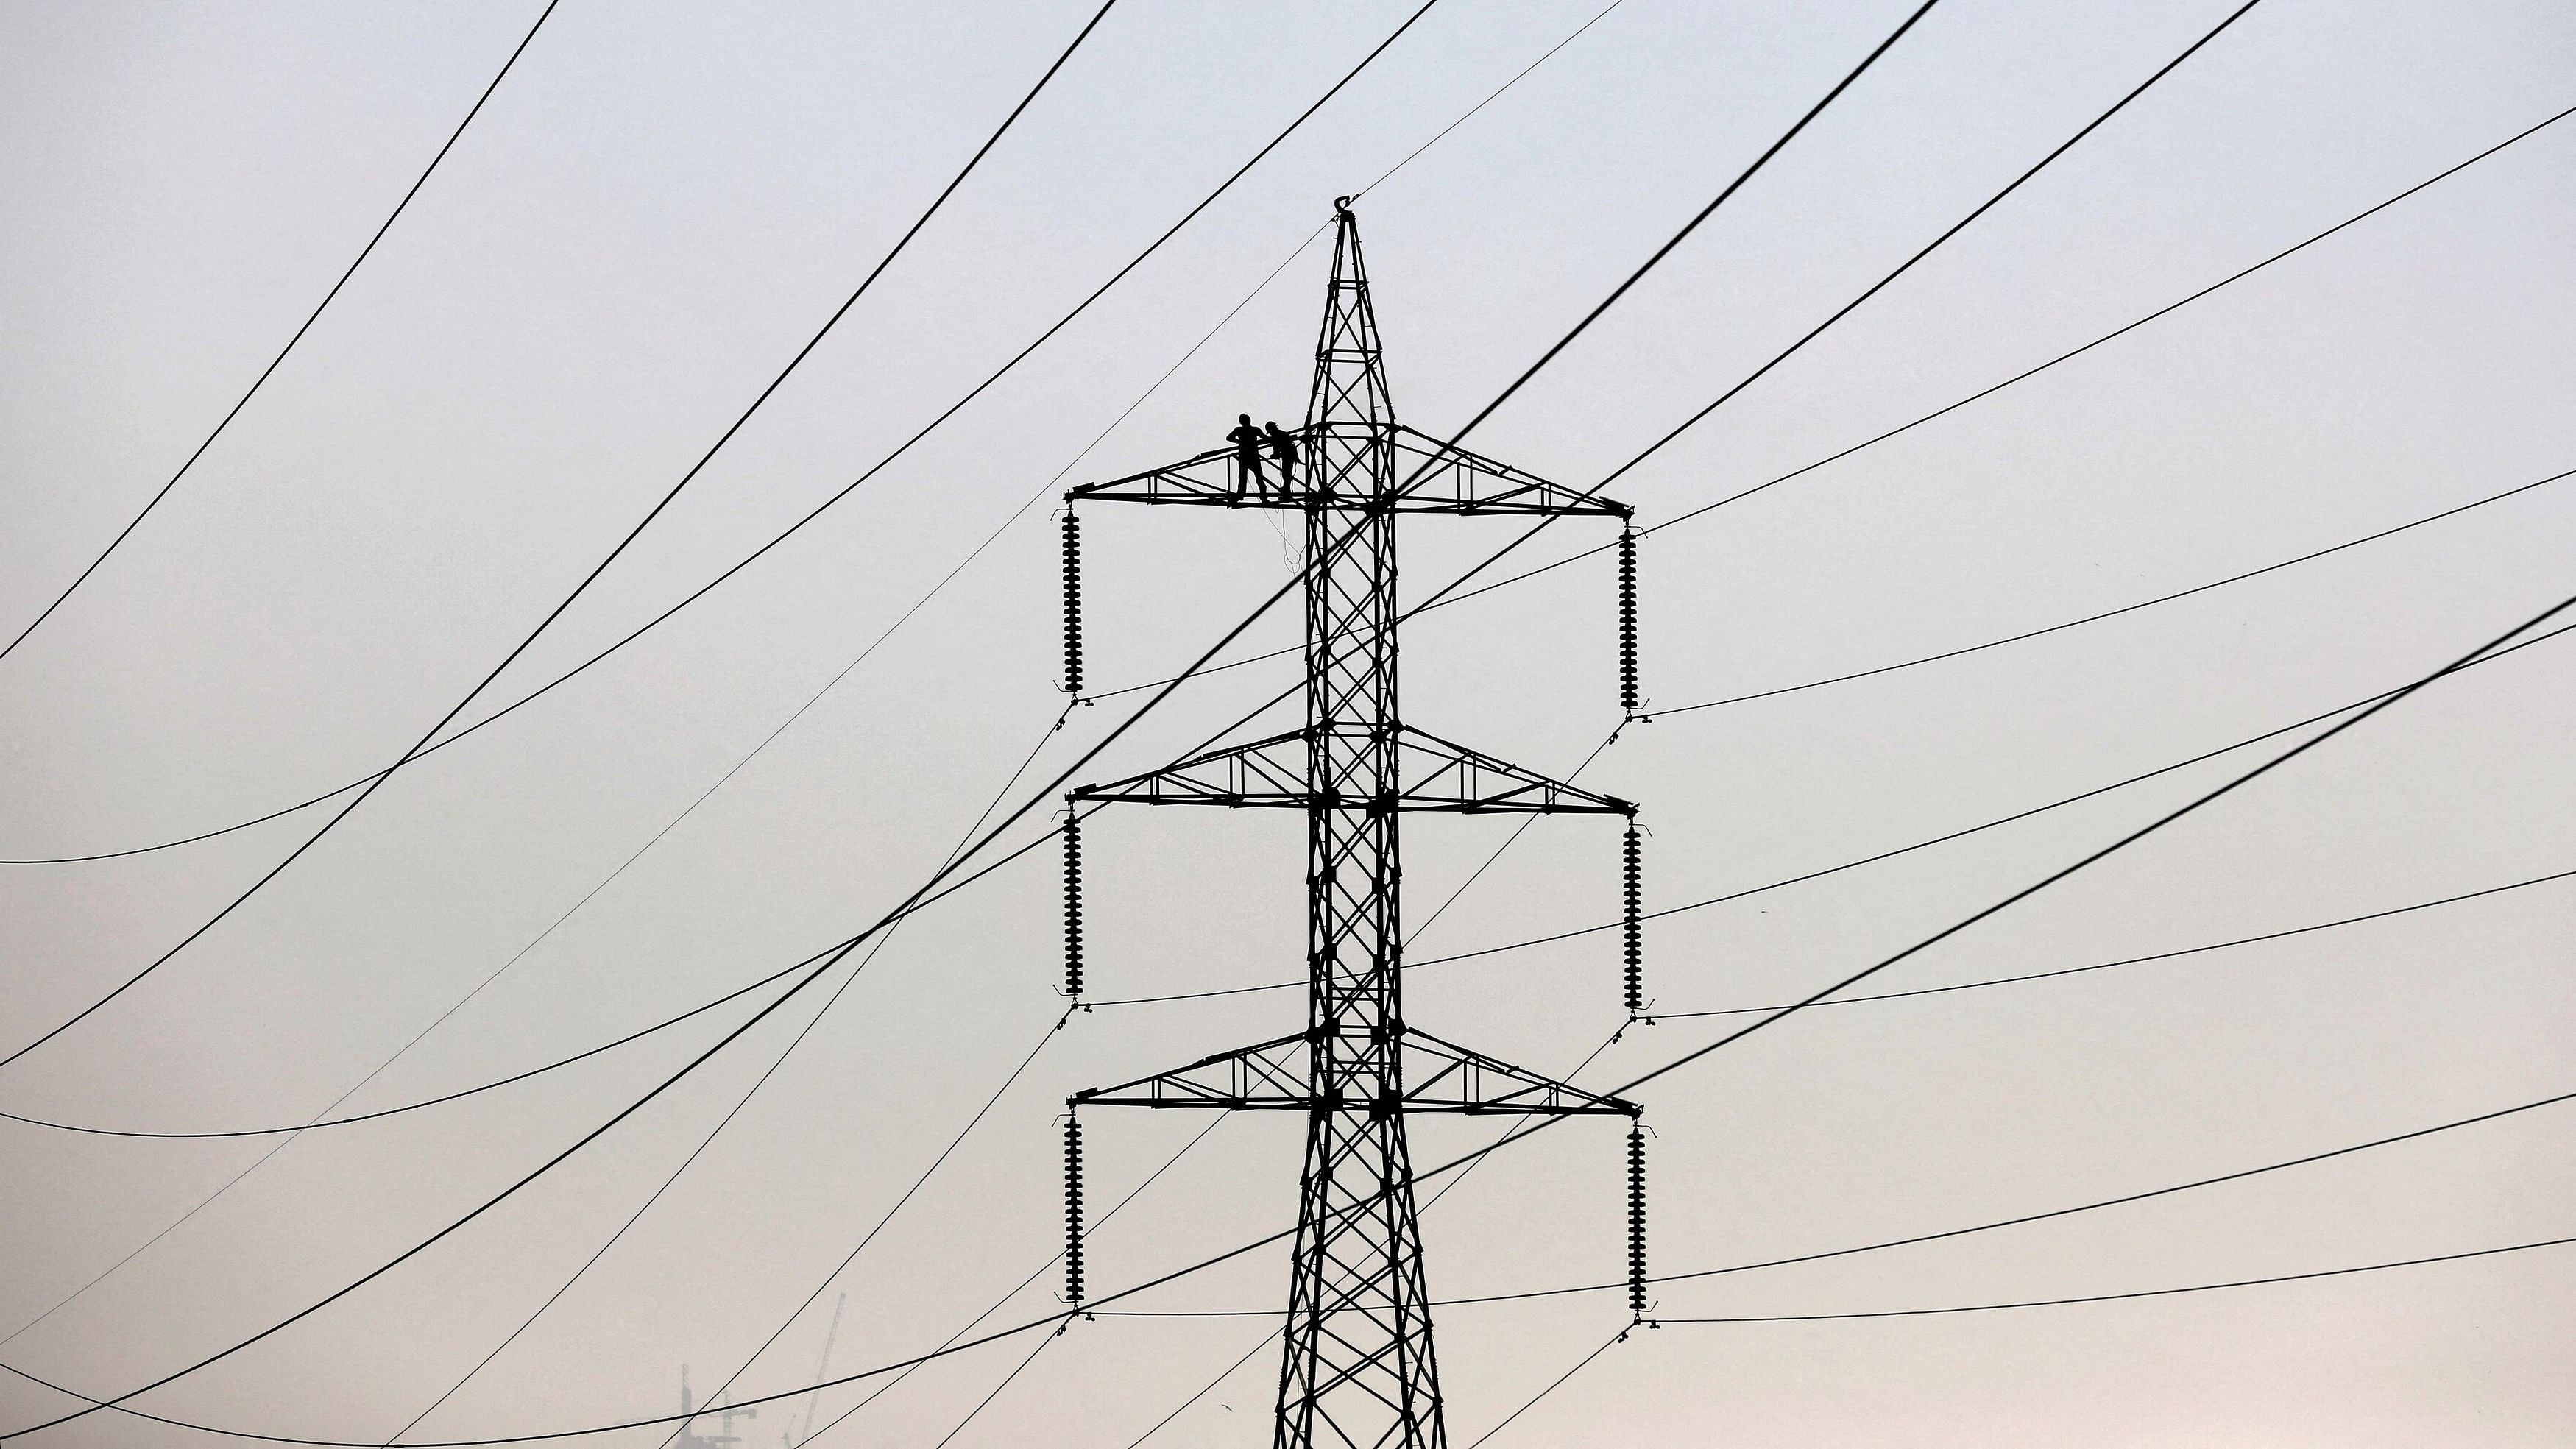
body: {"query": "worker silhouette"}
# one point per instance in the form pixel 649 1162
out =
pixel 1283 451
pixel 1247 451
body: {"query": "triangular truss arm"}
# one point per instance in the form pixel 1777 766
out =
pixel 1215 477
pixel 1434 775
pixel 1443 479
pixel 1439 775
pixel 1440 1077
pixel 1268 773
pixel 1268 1075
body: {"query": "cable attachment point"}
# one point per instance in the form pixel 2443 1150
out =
pixel 1632 920
pixel 1073 908
pixel 1628 621
pixel 1072 603
pixel 1637 1222
pixel 1073 1210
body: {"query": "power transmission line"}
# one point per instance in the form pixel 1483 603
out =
pixel 1448 593
pixel 1553 1385
pixel 2238 578
pixel 1540 1124
pixel 1468 955
pixel 273 363
pixel 1854 864
pixel 745 1100
pixel 1946 837
pixel 2141 1293
pixel 2025 1219
pixel 905 1366
pixel 925 891
pixel 2022 376
pixel 613 554
pixel 2138 960
pixel 1089 1229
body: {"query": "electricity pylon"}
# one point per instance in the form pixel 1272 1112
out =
pixel 1358 1371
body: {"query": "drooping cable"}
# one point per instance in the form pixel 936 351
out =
pixel 1036 1273
pixel 2131 608
pixel 2140 1293
pixel 931 885
pixel 2025 1219
pixel 1543 568
pixel 1996 823
pixel 1552 1386
pixel 879 466
pixel 297 336
pixel 744 1101
pixel 1982 984
pixel 2067 356
pixel 612 555
pixel 1854 304
pixel 1854 864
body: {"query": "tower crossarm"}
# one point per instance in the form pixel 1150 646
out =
pixel 1439 775
pixel 1215 478
pixel 1445 1077
pixel 1266 1076
pixel 1444 478
pixel 1439 1076
pixel 1441 478
pixel 1435 775
pixel 1266 773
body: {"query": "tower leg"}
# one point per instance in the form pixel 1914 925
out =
pixel 1358 1370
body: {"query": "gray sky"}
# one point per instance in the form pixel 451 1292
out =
pixel 653 213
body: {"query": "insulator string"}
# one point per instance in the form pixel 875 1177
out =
pixel 1632 919
pixel 1072 603
pixel 1073 1210
pixel 1637 1221
pixel 1628 622
pixel 1073 907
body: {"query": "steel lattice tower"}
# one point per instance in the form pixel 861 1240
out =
pixel 1359 1371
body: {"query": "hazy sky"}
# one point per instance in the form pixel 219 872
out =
pixel 654 212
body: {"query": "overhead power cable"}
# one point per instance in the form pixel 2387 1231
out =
pixel 1856 863
pixel 2060 803
pixel 846 490
pixel 1449 592
pixel 1942 839
pixel 1849 307
pixel 927 889
pixel 1552 1386
pixel 1570 558
pixel 1455 1164
pixel 2025 1219
pixel 613 554
pixel 2026 634
pixel 1089 1229
pixel 2028 373
pixel 1223 1374
pixel 744 1101
pixel 297 336
pixel 2140 1293
pixel 792 968
pixel 2137 960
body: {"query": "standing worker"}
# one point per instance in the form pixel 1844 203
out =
pixel 1283 451
pixel 1247 450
